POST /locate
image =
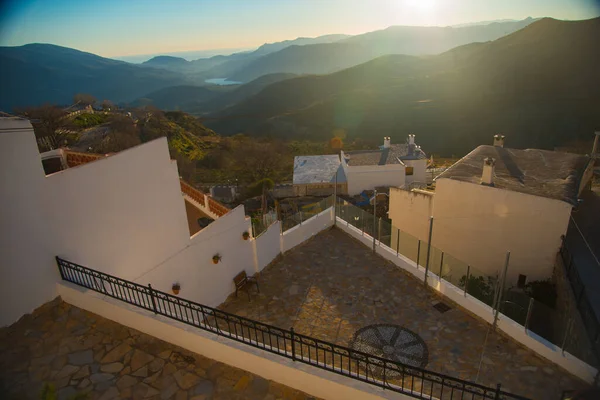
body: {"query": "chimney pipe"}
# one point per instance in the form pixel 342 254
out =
pixel 387 142
pixel 499 140
pixel 596 148
pixel 487 177
pixel 411 139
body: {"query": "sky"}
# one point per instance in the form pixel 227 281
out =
pixel 113 28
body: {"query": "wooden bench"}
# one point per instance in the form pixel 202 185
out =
pixel 243 281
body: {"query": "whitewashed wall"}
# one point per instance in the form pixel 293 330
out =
pixel 370 176
pixel 192 267
pixel 300 233
pixel 121 214
pixel 268 246
pixel 27 262
pixel 479 224
pixel 419 170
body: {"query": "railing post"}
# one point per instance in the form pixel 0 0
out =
pixel 60 268
pixel 467 280
pixel 379 232
pixel 363 219
pixel 293 344
pixel 398 243
pixel 497 395
pixel 428 250
pixel 499 297
pixel 567 332
pixel 418 252
pixel 300 212
pixel 441 265
pixel 529 310
pixel 152 298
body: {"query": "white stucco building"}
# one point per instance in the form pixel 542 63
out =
pixel 394 165
pixel 126 214
pixel 390 165
pixel 495 200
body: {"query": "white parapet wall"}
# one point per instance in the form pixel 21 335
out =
pixel 295 374
pixel 307 229
pixel 511 328
pixel 267 245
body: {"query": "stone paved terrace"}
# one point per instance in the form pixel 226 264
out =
pixel 332 286
pixel 82 353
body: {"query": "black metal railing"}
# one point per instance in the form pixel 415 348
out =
pixel 387 374
pixel 588 315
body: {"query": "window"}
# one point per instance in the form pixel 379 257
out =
pixel 409 170
pixel 521 281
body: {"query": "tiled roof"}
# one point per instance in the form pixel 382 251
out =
pixel 318 169
pixel 384 156
pixel 544 173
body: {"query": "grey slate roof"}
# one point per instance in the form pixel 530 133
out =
pixel 318 169
pixel 544 173
pixel 384 156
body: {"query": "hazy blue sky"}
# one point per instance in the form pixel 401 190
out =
pixel 127 27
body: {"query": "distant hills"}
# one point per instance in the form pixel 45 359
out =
pixel 204 99
pixel 330 57
pixel 540 86
pixel 39 73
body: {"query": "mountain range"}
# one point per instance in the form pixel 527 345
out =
pixel 535 81
pixel 38 73
pixel 539 86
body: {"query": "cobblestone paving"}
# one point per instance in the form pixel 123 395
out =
pixel 331 286
pixel 83 353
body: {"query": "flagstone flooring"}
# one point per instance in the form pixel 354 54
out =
pixel 85 356
pixel 332 286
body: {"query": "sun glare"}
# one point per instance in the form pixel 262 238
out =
pixel 421 5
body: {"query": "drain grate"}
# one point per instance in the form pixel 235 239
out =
pixel 442 307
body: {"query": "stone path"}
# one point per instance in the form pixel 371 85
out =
pixel 82 353
pixel 332 286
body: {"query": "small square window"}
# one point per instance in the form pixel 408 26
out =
pixel 521 281
pixel 409 170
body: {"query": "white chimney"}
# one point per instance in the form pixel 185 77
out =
pixel 487 177
pixel 596 148
pixel 499 140
pixel 387 142
pixel 411 139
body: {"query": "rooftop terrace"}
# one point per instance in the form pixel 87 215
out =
pixel 82 353
pixel 333 288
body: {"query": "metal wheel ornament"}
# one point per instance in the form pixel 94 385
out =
pixel 392 342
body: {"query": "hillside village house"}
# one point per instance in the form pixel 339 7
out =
pixel 397 165
pixel 494 200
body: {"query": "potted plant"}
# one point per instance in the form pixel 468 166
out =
pixel 216 258
pixel 176 288
pixel 245 235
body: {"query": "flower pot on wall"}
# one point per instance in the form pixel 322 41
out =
pixel 245 235
pixel 176 288
pixel 216 258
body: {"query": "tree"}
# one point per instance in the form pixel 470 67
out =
pixel 108 105
pixel 256 160
pixel 84 99
pixel 50 123
pixel 122 134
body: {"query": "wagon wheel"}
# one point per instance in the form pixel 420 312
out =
pixel 391 342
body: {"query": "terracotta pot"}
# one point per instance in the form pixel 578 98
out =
pixel 246 236
pixel 215 260
pixel 175 290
